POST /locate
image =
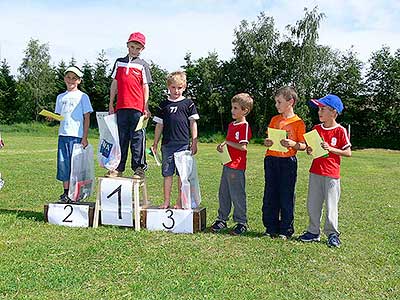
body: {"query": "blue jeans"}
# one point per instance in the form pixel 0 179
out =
pixel 279 194
pixel 64 155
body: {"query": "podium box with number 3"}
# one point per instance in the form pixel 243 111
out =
pixel 174 220
pixel 118 201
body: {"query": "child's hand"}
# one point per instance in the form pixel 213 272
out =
pixel 288 143
pixel 194 147
pixel 309 150
pixel 325 146
pixel 154 149
pixel 49 118
pixel 268 142
pixel 147 114
pixel 220 147
pixel 84 142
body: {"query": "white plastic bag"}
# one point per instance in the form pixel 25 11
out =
pixel 109 151
pixel 187 168
pixel 81 182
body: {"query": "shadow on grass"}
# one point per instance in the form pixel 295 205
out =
pixel 24 214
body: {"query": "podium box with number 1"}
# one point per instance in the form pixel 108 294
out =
pixel 118 201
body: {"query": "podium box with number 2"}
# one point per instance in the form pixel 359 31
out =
pixel 72 214
pixel 118 201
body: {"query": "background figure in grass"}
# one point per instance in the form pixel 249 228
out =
pixel 75 107
pixel 176 119
pixel 280 168
pixel 324 178
pixel 131 79
pixel 232 188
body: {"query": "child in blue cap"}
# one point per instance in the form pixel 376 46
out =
pixel 324 178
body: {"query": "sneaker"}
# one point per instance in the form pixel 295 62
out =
pixel 139 173
pixel 333 240
pixel 309 237
pixel 113 173
pixel 283 237
pixel 218 225
pixel 64 199
pixel 238 229
pixel 271 235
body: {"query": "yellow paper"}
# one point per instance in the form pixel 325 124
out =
pixel 142 123
pixel 224 155
pixel 47 113
pixel 314 141
pixel 276 135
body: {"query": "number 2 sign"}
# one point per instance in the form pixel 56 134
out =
pixel 68 215
pixel 116 202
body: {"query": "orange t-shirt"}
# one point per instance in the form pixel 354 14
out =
pixel 295 129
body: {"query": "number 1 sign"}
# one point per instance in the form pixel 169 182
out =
pixel 116 201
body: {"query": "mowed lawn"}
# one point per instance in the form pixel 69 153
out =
pixel 42 261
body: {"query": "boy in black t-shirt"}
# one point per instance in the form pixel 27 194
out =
pixel 176 119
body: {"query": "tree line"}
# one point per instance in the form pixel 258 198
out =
pixel 263 60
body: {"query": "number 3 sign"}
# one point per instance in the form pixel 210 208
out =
pixel 174 220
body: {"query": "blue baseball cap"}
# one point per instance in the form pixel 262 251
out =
pixel 329 100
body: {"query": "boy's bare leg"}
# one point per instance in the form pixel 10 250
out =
pixel 66 185
pixel 179 200
pixel 167 192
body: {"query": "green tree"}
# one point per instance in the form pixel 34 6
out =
pixel 8 94
pixel 158 89
pixel 36 86
pixel 253 68
pixel 206 88
pixel 87 85
pixel 59 73
pixel 383 101
pixel 101 83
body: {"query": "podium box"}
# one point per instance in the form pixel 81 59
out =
pixel 76 214
pixel 174 220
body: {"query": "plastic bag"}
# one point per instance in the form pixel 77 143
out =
pixel 190 189
pixel 81 182
pixel 109 151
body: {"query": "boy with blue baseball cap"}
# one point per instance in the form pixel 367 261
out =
pixel 324 179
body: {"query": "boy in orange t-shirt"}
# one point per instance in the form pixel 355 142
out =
pixel 280 168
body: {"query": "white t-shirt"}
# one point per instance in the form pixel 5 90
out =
pixel 72 106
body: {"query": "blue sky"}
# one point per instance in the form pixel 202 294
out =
pixel 172 28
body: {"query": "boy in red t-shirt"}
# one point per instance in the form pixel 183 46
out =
pixel 232 189
pixel 324 179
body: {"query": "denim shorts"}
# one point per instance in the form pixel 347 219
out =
pixel 64 154
pixel 168 162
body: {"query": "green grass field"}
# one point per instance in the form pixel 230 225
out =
pixel 42 261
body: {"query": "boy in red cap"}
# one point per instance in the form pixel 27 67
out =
pixel 131 79
pixel 324 179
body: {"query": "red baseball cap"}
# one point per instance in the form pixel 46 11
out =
pixel 137 37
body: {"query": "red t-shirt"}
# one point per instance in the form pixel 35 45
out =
pixel 336 137
pixel 131 76
pixel 238 133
